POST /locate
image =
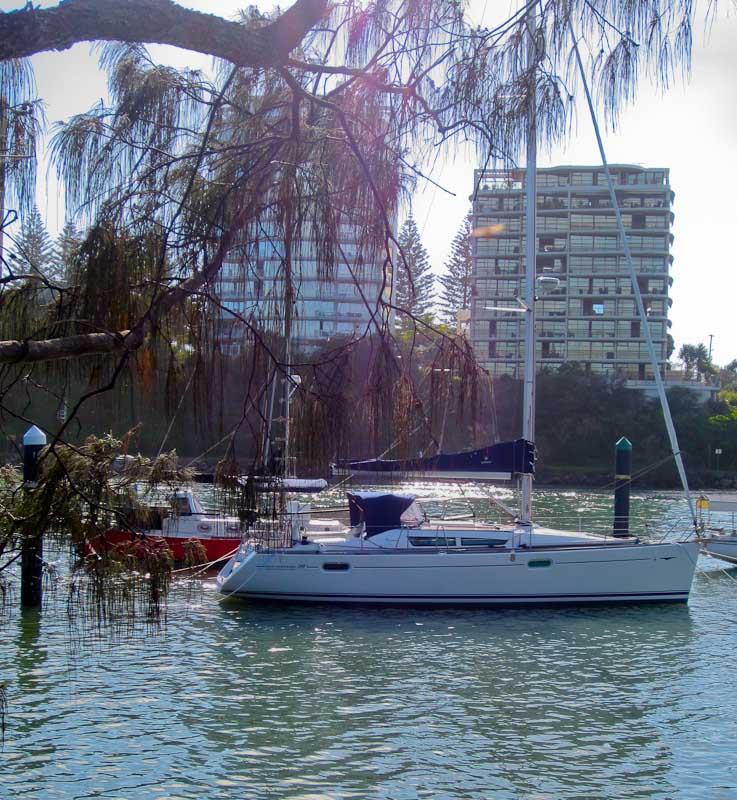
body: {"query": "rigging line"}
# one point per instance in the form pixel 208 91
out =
pixel 646 469
pixel 723 570
pixel 210 449
pixel 178 409
pixel 638 474
pixel 635 287
pixel 202 567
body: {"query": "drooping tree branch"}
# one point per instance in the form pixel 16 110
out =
pixel 34 30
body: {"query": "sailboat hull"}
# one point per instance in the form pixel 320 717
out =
pixel 527 577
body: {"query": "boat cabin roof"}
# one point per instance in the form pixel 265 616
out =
pixel 184 502
pixel 379 511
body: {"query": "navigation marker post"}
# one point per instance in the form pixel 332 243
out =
pixel 622 483
pixel 31 569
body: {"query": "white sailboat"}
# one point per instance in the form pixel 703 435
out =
pixel 391 555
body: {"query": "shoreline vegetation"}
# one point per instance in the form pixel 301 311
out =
pixel 579 419
pixel 595 479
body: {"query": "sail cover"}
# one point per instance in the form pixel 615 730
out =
pixel 381 511
pixel 504 460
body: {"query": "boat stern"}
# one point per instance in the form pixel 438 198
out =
pixel 238 571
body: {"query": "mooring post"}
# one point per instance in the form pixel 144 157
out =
pixel 622 482
pixel 31 569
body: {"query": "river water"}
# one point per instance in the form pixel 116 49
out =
pixel 237 700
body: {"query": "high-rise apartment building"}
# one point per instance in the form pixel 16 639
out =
pixel 329 304
pixel 590 317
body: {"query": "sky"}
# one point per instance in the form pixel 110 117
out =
pixel 691 129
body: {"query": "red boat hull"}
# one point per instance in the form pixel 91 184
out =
pixel 215 548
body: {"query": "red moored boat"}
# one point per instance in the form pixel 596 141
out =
pixel 183 527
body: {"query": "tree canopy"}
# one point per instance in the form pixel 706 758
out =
pixel 413 284
pixel 696 360
pixel 456 282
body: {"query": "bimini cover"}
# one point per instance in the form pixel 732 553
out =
pixel 379 510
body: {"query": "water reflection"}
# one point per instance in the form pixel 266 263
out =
pixel 303 702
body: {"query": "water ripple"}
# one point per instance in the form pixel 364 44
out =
pixel 305 703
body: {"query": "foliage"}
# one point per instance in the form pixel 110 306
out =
pixel 670 345
pixel 68 246
pixel 728 376
pixel 696 360
pixel 723 426
pixel 580 416
pixel 81 493
pixel 21 119
pixel 33 250
pixel 456 282
pixel 3 710
pixel 413 282
pixel 374 90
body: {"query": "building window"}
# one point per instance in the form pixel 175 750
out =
pixel 592 308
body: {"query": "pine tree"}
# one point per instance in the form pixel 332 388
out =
pixel 67 247
pixel 33 250
pixel 456 283
pixel 414 283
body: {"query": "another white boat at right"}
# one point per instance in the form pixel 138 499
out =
pixel 718 524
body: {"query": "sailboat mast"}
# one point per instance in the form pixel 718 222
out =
pixel 528 394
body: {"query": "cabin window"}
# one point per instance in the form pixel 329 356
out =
pixel 336 566
pixel 432 541
pixel 482 542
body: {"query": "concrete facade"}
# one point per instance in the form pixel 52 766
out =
pixel 590 317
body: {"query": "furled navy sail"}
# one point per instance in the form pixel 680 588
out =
pixel 502 460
